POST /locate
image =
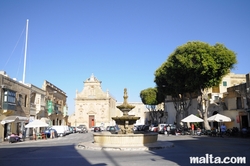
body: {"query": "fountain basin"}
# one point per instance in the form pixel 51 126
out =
pixel 108 139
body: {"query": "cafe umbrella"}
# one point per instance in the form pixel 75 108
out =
pixel 36 123
pixel 219 118
pixel 192 118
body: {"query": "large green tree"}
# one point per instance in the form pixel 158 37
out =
pixel 193 68
pixel 151 98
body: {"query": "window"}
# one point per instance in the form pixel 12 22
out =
pixel 25 101
pixel 215 89
pixel 224 83
pixel 9 100
pixel 9 96
pixel 20 99
pixel 239 103
pixel 37 101
pixel 216 97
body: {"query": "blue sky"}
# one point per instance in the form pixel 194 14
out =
pixel 121 42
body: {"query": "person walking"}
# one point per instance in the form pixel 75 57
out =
pixel 168 129
pixel 52 134
pixel 223 129
pixel 192 128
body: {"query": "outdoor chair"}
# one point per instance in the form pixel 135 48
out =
pixel 38 136
pixel 12 140
pixel 207 132
pixel 214 133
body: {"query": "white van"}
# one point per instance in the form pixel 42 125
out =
pixel 161 129
pixel 67 129
pixel 61 130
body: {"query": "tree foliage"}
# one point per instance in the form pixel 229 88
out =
pixel 151 98
pixel 194 67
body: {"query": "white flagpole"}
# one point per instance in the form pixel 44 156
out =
pixel 25 51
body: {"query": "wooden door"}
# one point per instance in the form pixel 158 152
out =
pixel 91 121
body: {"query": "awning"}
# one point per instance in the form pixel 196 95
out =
pixel 46 120
pixel 219 118
pixel 192 118
pixel 10 119
pixel 36 123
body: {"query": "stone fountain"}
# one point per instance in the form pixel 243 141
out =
pixel 126 136
pixel 126 122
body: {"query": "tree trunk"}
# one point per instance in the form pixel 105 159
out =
pixel 203 103
pixel 181 104
pixel 153 114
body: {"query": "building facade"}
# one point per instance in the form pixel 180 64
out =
pixel 14 106
pixel 237 104
pixel 56 105
pixel 93 106
pixel 22 103
pixel 219 102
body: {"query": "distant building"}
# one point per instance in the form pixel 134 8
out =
pixel 229 80
pixel 140 110
pixel 94 107
pixel 220 102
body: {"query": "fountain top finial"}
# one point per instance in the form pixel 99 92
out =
pixel 125 104
pixel 125 97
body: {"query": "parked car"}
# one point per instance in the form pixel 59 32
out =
pixel 70 130
pixel 79 130
pixel 138 127
pixel 74 129
pixel 97 129
pixel 67 130
pixel 145 128
pixel 102 128
pixel 113 129
pixel 48 130
pixel 92 128
pixel 107 128
pixel 153 127
pixel 61 130
pixel 162 128
pixel 141 128
pixel 172 128
pixel 82 129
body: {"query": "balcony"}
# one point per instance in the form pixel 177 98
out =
pixel 9 106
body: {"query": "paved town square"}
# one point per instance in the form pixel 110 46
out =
pixel 65 151
pixel 124 83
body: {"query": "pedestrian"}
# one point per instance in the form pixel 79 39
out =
pixel 168 129
pixel 198 132
pixel 223 129
pixel 52 134
pixel 192 128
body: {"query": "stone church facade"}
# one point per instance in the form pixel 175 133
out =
pixel 93 106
